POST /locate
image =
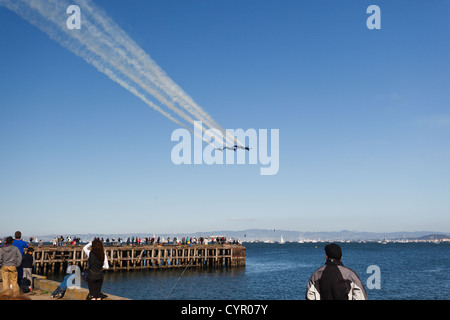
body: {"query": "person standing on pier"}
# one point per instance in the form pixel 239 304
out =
pixel 333 281
pixel 20 244
pixel 97 261
pixel 27 264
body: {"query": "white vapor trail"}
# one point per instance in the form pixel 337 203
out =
pixel 103 44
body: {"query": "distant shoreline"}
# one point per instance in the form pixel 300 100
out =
pixel 252 235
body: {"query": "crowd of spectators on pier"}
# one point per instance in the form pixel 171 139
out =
pixel 60 241
pixel 169 241
pixel 135 240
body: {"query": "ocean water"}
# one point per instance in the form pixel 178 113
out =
pixel 419 271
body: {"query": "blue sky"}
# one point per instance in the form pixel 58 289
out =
pixel 364 120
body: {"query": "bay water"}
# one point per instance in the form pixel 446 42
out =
pixel 417 271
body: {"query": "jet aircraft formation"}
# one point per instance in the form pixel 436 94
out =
pixel 235 147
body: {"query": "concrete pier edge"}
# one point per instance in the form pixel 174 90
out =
pixel 42 283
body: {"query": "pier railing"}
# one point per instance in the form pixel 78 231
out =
pixel 53 259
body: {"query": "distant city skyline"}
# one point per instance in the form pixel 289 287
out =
pixel 363 118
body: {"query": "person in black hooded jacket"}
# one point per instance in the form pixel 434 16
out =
pixel 333 281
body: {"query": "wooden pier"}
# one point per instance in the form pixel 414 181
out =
pixel 52 259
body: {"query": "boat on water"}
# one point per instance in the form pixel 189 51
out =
pixel 282 240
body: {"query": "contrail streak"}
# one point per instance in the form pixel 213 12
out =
pixel 103 44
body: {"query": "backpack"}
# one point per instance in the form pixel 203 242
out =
pixel 25 285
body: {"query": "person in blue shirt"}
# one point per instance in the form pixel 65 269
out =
pixel 20 244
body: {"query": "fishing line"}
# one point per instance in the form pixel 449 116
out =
pixel 180 276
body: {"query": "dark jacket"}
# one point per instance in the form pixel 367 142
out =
pixel 95 267
pixel 27 260
pixel 333 281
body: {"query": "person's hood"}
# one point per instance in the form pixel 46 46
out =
pixel 8 248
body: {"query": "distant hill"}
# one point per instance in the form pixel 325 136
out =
pixel 434 236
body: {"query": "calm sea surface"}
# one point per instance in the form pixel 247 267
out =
pixel 281 272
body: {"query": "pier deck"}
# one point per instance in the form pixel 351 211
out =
pixel 52 259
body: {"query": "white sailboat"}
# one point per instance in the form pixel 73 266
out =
pixel 282 240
